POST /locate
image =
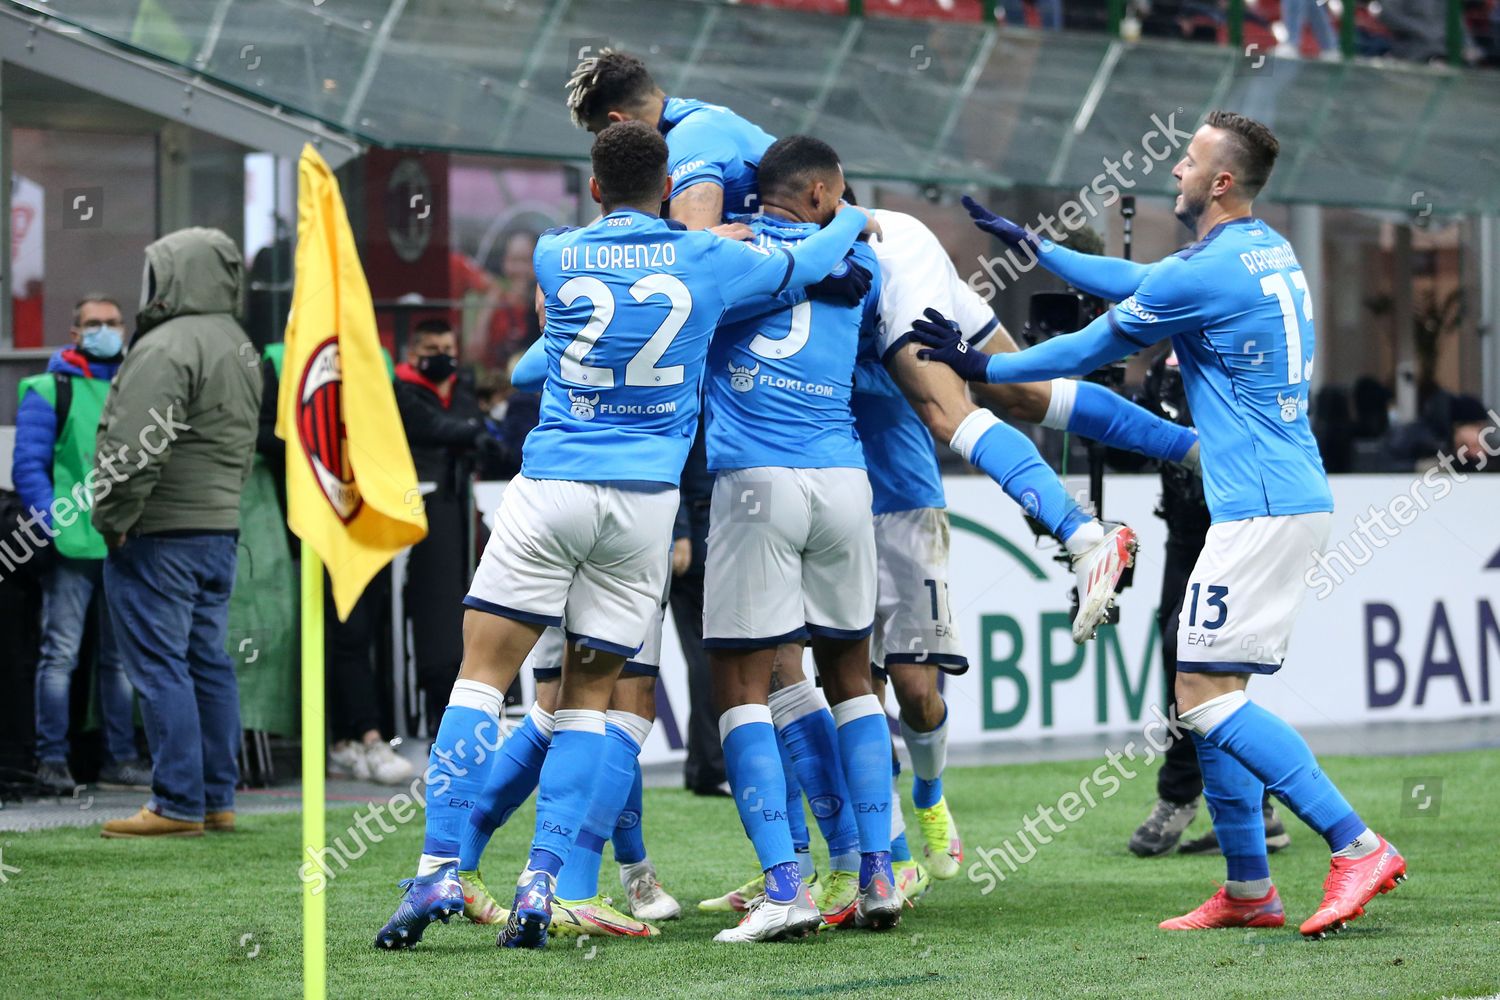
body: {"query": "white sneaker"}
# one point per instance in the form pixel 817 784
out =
pixel 1099 569
pixel 384 765
pixel 347 759
pixel 770 921
pixel 645 897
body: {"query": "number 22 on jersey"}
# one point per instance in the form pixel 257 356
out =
pixel 641 369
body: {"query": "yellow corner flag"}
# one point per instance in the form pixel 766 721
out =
pixel 351 488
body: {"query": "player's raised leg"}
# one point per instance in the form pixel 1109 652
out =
pixel 1100 553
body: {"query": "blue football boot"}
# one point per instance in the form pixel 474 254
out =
pixel 531 914
pixel 438 896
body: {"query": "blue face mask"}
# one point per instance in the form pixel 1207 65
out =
pixel 102 342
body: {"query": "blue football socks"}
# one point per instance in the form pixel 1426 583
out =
pixel 463 754
pixel 511 782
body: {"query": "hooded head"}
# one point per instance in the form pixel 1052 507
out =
pixel 192 272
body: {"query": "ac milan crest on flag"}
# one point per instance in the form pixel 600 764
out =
pixel 320 425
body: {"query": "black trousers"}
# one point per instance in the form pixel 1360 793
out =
pixel 353 686
pixel 1179 779
pixel 436 582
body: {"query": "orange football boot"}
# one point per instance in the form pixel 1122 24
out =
pixel 1351 883
pixel 1224 910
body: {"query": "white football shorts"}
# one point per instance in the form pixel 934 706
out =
pixel 791 555
pixel 590 557
pixel 1244 593
pixel 913 611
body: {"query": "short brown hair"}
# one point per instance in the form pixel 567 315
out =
pixel 93 298
pixel 630 163
pixel 1253 147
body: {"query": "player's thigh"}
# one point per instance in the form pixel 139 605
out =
pixel 758 525
pixel 838 561
pixel 542 529
pixel 1244 594
pixel 617 589
pixel 918 622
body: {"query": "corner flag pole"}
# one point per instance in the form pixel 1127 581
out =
pixel 314 904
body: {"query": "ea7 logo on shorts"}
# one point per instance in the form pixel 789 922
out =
pixel 742 379
pixel 1133 307
pixel 582 407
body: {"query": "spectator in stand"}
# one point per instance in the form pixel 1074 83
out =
pixel 447 435
pixel 505 321
pixel 1417 31
pixel 54 452
pixel 1297 14
pixel 1049 13
pixel 177 439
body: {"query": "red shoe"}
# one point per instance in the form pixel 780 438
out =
pixel 1223 910
pixel 1351 883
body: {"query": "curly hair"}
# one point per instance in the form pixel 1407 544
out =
pixel 610 81
pixel 630 163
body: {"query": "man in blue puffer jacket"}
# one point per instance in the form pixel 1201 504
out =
pixel 54 454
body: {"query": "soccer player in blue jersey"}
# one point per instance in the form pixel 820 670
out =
pixel 791 558
pixel 581 537
pixel 1237 309
pixel 712 153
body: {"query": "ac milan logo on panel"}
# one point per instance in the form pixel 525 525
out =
pixel 320 426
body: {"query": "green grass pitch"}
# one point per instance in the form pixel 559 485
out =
pixel 220 917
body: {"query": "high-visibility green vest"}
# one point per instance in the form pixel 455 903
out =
pixel 73 460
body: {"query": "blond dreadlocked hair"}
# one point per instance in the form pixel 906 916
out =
pixel 610 81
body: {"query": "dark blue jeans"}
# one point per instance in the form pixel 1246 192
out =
pixel 67 591
pixel 169 595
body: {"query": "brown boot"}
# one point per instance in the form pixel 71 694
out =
pixel 149 824
pixel 219 822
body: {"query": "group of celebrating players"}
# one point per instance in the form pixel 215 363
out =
pixel 826 347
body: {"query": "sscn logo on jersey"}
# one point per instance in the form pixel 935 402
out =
pixel 582 407
pixel 742 379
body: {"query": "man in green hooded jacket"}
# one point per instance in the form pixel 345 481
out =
pixel 172 455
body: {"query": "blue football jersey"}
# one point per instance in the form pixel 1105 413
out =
pixel 708 143
pixel 899 454
pixel 779 381
pixel 1237 308
pixel 631 303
